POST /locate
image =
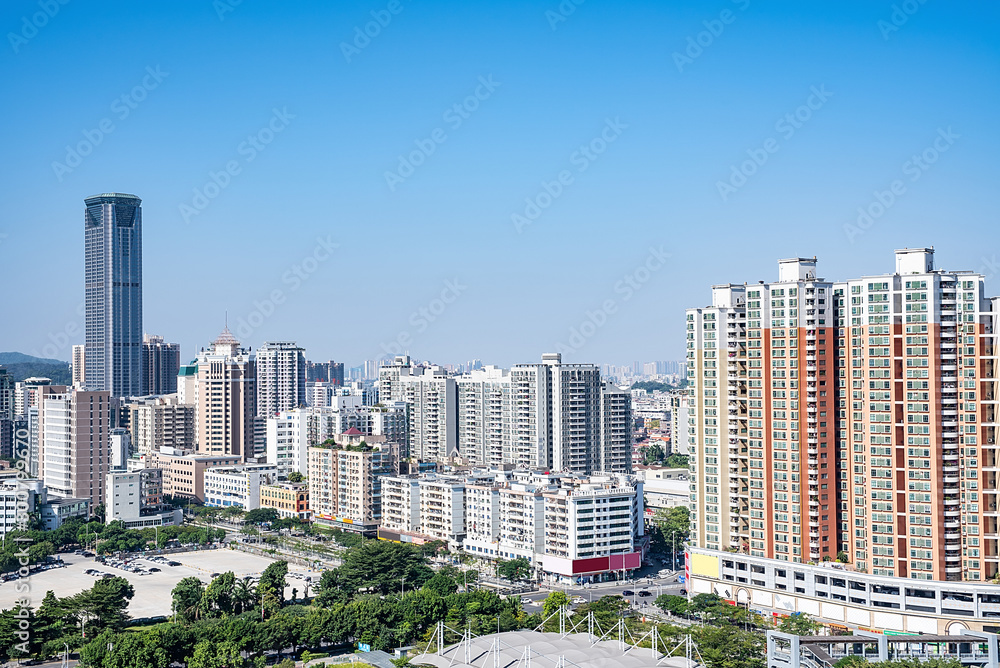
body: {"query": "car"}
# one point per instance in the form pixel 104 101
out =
pixel 645 592
pixel 154 569
pixel 527 601
pixel 628 592
pixel 579 599
pixel 173 563
pixel 684 592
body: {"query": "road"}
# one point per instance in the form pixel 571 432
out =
pixel 652 582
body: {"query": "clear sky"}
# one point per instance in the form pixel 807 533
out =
pixel 309 115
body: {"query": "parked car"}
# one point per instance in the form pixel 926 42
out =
pixel 579 599
pixel 154 569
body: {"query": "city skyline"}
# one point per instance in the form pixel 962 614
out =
pixel 793 150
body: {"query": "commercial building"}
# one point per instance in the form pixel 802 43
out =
pixel 135 498
pixel 113 294
pixel 55 511
pixel 281 377
pixel 225 396
pixel 161 421
pixel 289 499
pixel 345 480
pixel 184 472
pixel 161 362
pixel 325 372
pixel 852 419
pixel 75 429
pixel 237 485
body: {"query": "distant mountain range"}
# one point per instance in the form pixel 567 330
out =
pixel 22 366
pixel 21 358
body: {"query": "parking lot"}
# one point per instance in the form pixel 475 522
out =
pixel 152 591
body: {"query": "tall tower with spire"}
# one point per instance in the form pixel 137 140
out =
pixel 225 394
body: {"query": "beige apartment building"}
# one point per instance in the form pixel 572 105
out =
pixel 290 499
pixel 163 421
pixel 225 397
pixel 345 480
pixel 852 419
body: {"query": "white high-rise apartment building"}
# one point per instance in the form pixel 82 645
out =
pixel 290 433
pixel 484 416
pixel 430 505
pixel 433 413
pixel 617 437
pixel 281 377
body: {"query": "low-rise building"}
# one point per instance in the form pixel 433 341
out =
pixel 290 499
pixel 19 499
pixel 135 498
pixel 184 472
pixel 56 511
pixel 227 486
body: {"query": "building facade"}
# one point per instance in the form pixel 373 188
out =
pixel 239 486
pixel 161 361
pixel 289 499
pixel 281 377
pixel 184 472
pixel 161 421
pixel 851 419
pixel 225 397
pixel 113 294
pixel 75 433
pixel 345 480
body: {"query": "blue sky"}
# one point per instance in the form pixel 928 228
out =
pixel 434 259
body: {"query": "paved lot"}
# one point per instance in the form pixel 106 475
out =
pixel 152 592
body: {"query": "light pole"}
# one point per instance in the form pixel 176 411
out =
pixel 402 586
pixel 673 555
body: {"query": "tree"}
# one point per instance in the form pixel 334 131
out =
pixel 187 598
pixel 105 603
pixel 730 647
pixel 295 476
pixel 442 584
pixel 126 650
pixel 261 516
pixel 243 595
pixel 218 596
pixel 271 587
pixel 553 602
pixel 675 605
pixel 799 624
pixel 515 569
pixel 381 566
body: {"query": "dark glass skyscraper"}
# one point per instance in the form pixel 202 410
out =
pixel 113 274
